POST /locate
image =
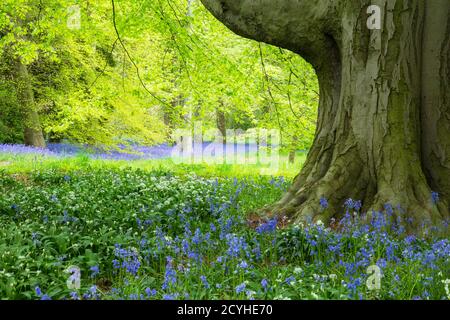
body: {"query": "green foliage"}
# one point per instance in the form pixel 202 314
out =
pixel 180 65
pixel 29 163
pixel 128 222
pixel 10 115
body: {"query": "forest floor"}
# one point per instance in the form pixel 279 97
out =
pixel 82 228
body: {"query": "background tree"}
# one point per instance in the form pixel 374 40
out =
pixel 383 125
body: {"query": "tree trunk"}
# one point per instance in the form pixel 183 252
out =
pixel 33 135
pixel 383 130
pixel 292 156
pixel 221 121
pixel 293 151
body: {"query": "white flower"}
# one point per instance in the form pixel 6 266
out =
pixel 281 298
pixel 298 270
pixel 446 282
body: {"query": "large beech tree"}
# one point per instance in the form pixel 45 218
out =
pixel 383 130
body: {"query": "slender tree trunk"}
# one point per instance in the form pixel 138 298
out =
pixel 292 156
pixel 221 121
pixel 33 135
pixel 383 133
pixel 293 151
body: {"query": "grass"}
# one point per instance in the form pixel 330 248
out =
pixel 150 230
pixel 27 163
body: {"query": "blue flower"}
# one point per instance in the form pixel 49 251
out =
pixel 204 281
pixel 269 226
pixel 290 280
pixel 197 237
pixel 150 293
pixel 353 285
pixel 116 264
pixel 170 276
pixel 323 203
pixel 38 291
pixel 349 203
pixel 240 288
pixel 381 263
pixel 95 271
pixel 434 197
pixel 264 284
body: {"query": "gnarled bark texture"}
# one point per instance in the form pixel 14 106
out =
pixel 383 130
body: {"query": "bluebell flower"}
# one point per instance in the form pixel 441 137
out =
pixel 290 280
pixel 133 296
pixel 388 209
pixel 381 263
pixel 116 264
pixel 240 288
pixel 264 284
pixel 204 281
pixel 150 292
pixel 94 271
pixel 197 237
pixel 349 203
pixel 323 203
pixel 38 291
pixel 130 259
pixel 434 197
pixel 170 276
pixel 357 205
pixel 353 285
pixel 269 226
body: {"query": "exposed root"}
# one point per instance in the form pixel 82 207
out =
pixel 409 196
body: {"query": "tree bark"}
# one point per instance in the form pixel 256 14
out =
pixel 383 129
pixel 221 121
pixel 33 135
